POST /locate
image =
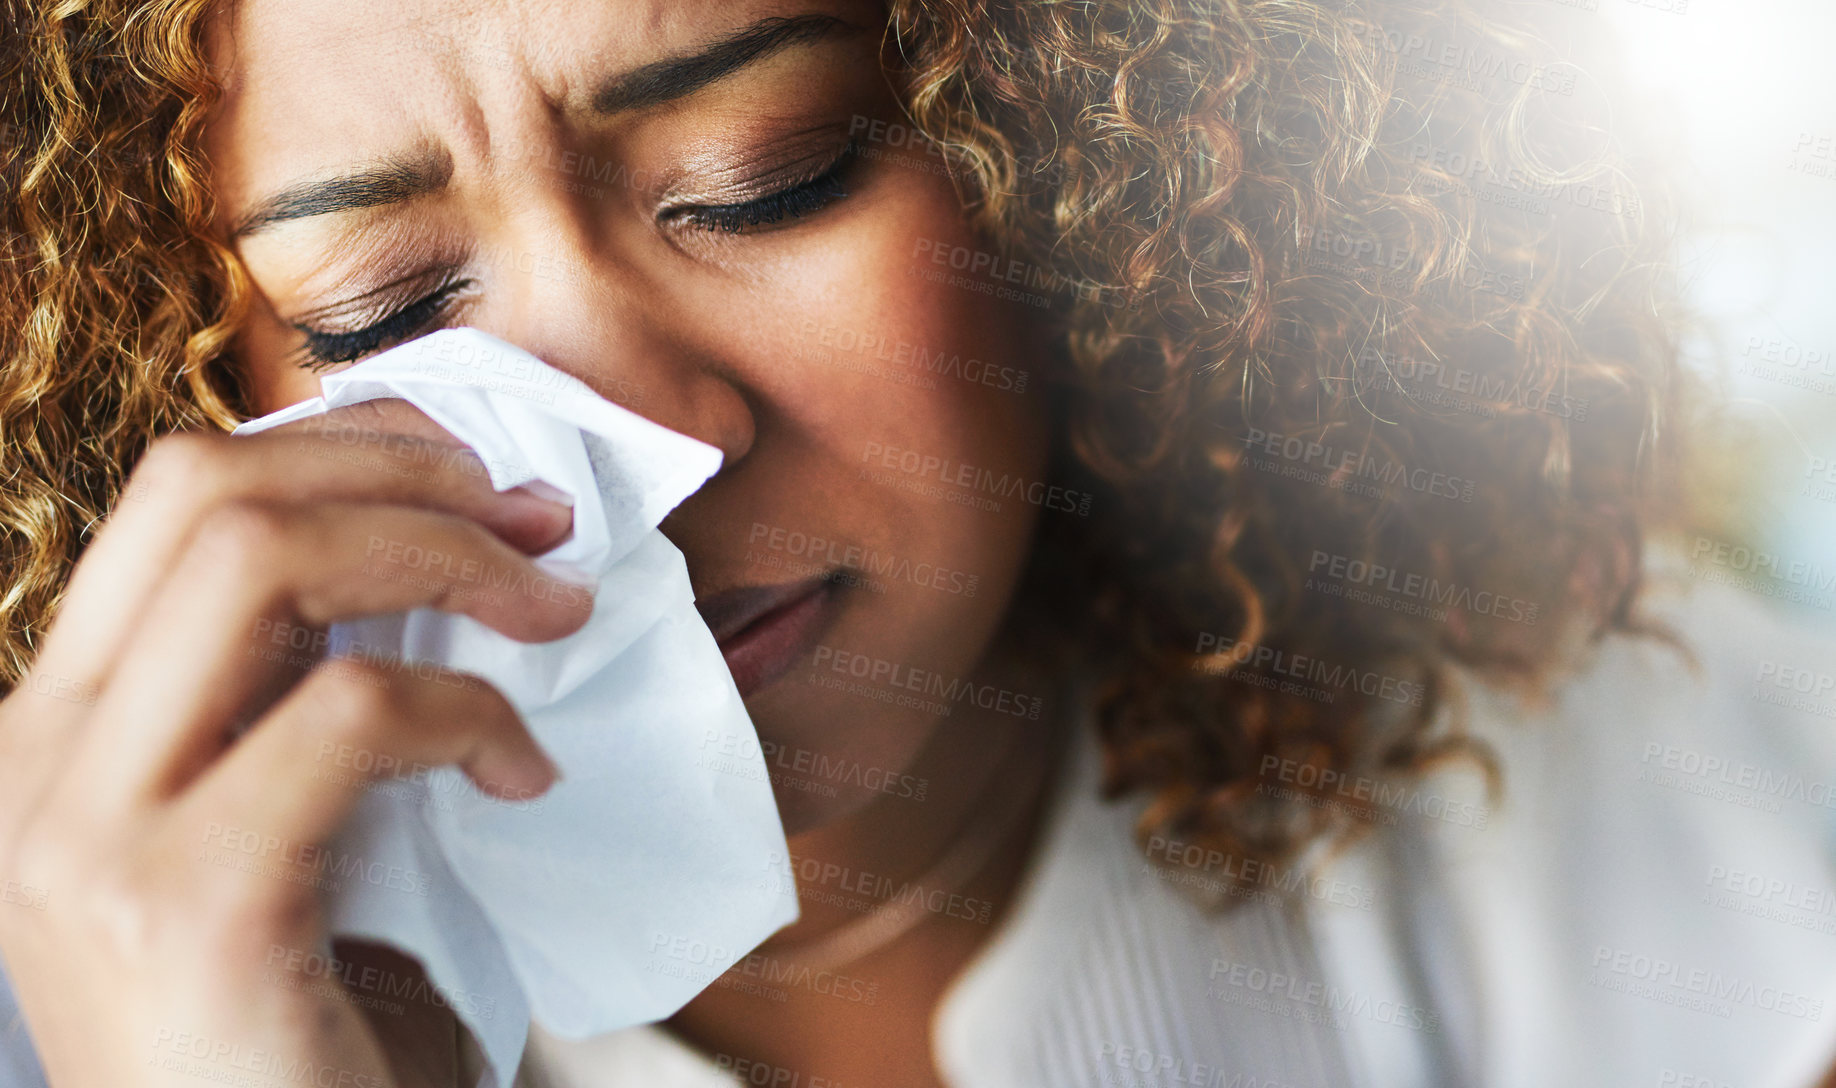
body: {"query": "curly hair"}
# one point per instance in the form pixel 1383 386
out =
pixel 1373 365
pixel 116 305
pixel 1373 369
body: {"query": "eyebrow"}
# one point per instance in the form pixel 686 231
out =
pixel 388 182
pixel 395 180
pixel 675 77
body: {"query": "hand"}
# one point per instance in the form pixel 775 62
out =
pixel 160 859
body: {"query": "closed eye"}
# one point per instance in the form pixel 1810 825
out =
pixel 795 201
pixel 325 348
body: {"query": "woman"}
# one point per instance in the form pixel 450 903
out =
pixel 1217 408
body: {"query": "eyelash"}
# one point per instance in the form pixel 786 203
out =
pixel 793 202
pixel 328 349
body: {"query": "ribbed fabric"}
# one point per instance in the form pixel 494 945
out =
pixel 1106 975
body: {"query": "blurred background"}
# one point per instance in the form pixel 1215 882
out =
pixel 1743 94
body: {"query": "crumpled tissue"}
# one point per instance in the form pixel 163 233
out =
pixel 655 863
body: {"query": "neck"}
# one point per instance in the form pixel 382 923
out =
pixel 986 773
pixel 989 774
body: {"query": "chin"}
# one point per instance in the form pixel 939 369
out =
pixel 829 756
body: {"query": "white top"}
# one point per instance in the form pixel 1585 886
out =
pixel 1651 901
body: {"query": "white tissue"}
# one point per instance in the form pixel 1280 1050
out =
pixel 653 865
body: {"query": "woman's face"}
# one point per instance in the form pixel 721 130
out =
pixel 661 198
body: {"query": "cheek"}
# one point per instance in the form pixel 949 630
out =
pixel 266 345
pixel 912 409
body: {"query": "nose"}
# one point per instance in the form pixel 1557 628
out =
pixel 600 320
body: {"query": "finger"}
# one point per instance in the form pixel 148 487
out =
pixel 295 776
pixel 38 721
pixel 347 457
pixel 188 676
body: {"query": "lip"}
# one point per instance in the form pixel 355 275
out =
pixel 763 630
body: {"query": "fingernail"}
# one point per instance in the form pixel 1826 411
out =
pixel 543 775
pixel 542 489
pixel 527 779
pixel 545 512
pixel 567 572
